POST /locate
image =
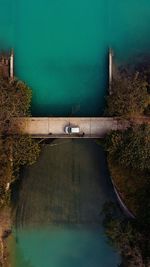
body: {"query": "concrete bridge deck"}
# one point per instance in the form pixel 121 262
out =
pixel 53 127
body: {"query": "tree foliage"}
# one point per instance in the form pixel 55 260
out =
pixel 15 99
pixel 130 148
pixel 129 165
pixel 126 235
pixel 25 150
pixel 130 95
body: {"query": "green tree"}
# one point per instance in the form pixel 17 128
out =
pixel 130 148
pixel 15 150
pixel 127 237
pixel 15 99
pixel 130 96
pixel 25 150
pixel 129 164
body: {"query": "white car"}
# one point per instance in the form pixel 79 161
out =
pixel 72 129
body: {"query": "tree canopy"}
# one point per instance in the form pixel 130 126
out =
pixel 130 95
pixel 15 99
pixel 130 148
pixel 129 165
pixel 128 237
pixel 128 154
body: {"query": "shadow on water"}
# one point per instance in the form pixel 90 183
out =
pixel 58 218
pixel 68 185
pixel 17 185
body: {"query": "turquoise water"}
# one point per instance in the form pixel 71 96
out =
pixel 61 52
pixel 61 48
pixel 63 248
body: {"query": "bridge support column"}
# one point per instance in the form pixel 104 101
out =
pixel 110 70
pixel 12 65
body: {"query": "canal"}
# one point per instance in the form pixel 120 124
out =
pixel 58 218
pixel 61 50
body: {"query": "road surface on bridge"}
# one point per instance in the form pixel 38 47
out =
pixel 53 127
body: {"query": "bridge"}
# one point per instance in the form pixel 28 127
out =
pixel 53 127
pixel 90 127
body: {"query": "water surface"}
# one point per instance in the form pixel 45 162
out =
pixel 63 248
pixel 58 219
pixel 61 48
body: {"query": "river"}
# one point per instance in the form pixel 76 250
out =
pixel 61 48
pixel 61 52
pixel 59 221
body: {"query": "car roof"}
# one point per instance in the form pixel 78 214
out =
pixel 75 129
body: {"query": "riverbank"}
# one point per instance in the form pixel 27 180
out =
pixel 5 230
pixel 118 176
pixel 128 161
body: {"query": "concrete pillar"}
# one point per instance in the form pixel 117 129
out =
pixel 110 70
pixel 12 65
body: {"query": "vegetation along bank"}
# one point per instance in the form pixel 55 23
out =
pixel 15 151
pixel 128 154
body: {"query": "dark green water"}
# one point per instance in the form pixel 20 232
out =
pixel 61 48
pixel 59 209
